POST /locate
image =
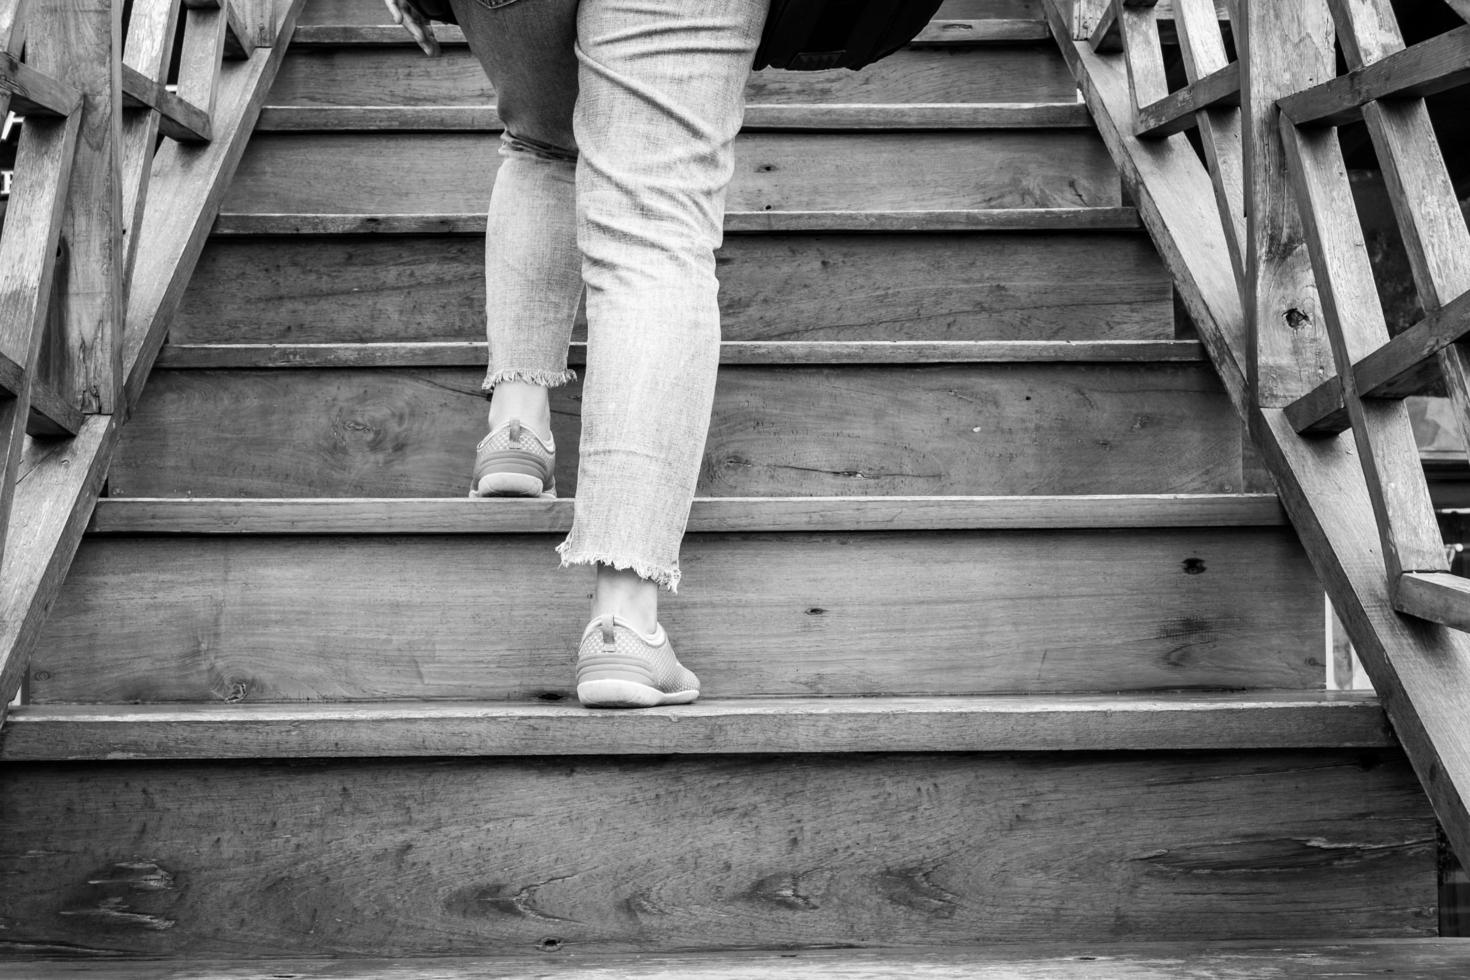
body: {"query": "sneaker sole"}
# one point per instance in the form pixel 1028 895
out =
pixel 613 693
pixel 509 485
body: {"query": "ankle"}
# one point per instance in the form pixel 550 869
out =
pixel 527 402
pixel 621 593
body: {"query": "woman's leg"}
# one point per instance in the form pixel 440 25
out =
pixel 533 275
pixel 662 94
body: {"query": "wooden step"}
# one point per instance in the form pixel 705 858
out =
pixel 1404 959
pixel 774 118
pixel 357 278
pixel 359 173
pixel 1029 723
pixel 833 428
pixel 268 601
pixel 597 854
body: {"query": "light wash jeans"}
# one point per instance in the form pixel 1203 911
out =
pixel 620 117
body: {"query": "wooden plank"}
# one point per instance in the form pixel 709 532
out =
pixel 360 173
pixel 777 726
pixel 319 515
pixel 466 354
pixel 47 518
pixel 1107 35
pixel 199 58
pixel 939 32
pixel 1423 672
pixel 780 286
pixel 1141 52
pixel 192 180
pixel 777 431
pixel 1424 200
pixel 177 119
pixel 241 37
pixel 469 855
pixel 149 51
pixel 1176 112
pixel 1439 597
pixel 1175 199
pixel 81 42
pixel 1393 370
pixel 35 93
pixel 891 116
pixel 270 617
pixel 401 75
pixel 27 267
pixel 736 221
pixel 1408 534
pixel 1284 47
pixel 1427 68
pixel 1406 959
pixel 1202 47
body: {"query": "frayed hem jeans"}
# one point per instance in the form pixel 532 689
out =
pixel 620 118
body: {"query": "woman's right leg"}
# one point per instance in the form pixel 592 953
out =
pixel 533 275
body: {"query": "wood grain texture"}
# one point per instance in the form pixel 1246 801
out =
pixel 773 287
pixel 1431 66
pixel 1341 959
pixel 148 50
pixel 789 352
pixel 323 515
pixel 779 726
pixel 34 93
pixel 371 76
pixel 1066 219
pixel 177 118
pixel 80 41
pixel 1175 112
pixel 476 856
pixel 776 431
pixel 362 173
pixel 461 616
pixel 853 118
pixel 1438 597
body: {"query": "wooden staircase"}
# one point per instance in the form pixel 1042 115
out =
pixel 1013 665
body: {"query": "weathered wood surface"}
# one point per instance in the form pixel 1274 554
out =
pixel 776 287
pixel 149 51
pixel 1064 219
pixel 485 119
pixel 343 617
pixel 1352 959
pixel 776 431
pixel 370 75
pixel 790 352
pixel 470 856
pixel 781 726
pixel 192 181
pixel 1432 66
pixel 1422 671
pixel 34 93
pixel 1175 113
pixel 1439 597
pixel 363 173
pixel 80 42
pixel 178 119
pixel 324 515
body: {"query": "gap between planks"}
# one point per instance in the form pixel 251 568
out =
pixel 885 116
pixel 474 353
pixel 992 723
pixel 736 222
pixel 463 515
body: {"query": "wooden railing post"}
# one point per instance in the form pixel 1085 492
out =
pixel 1285 47
pixel 80 41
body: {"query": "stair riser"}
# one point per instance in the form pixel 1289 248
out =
pixel 583 854
pixel 776 431
pixel 375 76
pixel 772 287
pixel 274 618
pixel 364 173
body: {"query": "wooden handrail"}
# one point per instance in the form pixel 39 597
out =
pixel 90 273
pixel 1285 302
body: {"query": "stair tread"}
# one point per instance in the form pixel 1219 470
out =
pixel 485 118
pixel 473 353
pixel 1405 959
pixel 986 723
pixel 736 221
pixel 459 515
pixel 940 32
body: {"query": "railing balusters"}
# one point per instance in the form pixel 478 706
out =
pixel 149 50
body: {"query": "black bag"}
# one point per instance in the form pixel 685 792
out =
pixel 811 35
